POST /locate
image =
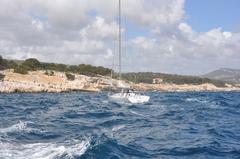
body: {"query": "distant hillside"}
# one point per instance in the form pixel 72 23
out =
pixel 148 77
pixel 225 74
pixel 23 67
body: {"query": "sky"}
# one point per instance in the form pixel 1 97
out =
pixel 190 37
pixel 204 15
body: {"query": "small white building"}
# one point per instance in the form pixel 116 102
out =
pixel 157 80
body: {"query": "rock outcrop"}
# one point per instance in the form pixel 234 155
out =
pixel 38 81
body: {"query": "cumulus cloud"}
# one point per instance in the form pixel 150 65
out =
pixel 189 51
pixel 85 31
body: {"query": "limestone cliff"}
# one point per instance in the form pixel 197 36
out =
pixel 38 81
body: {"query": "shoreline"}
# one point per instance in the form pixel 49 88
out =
pixel 39 82
pixel 69 92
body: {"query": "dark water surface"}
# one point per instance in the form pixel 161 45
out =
pixel 86 125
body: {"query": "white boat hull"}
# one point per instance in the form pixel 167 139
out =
pixel 129 98
pixel 138 99
pixel 118 97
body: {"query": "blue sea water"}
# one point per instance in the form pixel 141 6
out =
pixel 88 126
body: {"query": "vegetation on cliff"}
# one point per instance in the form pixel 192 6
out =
pixel 33 65
pixel 70 76
pixel 1 77
pixel 148 77
pixel 49 73
pixel 21 69
pixel 7 64
pixel 1 63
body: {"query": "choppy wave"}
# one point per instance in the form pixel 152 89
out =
pixel 43 150
pixel 20 126
pixel 87 125
pixel 118 127
pixel 133 112
pixel 197 100
pixel 8 150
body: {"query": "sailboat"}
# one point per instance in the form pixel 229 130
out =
pixel 126 94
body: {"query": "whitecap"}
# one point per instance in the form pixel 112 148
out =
pixel 133 112
pixel 116 128
pixel 196 100
pixel 21 126
pixel 213 105
pixel 43 150
pixel 192 99
pixel 105 101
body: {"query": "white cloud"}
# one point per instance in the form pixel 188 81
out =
pixel 99 29
pixel 38 25
pixel 189 52
pixel 85 31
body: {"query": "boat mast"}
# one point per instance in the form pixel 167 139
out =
pixel 120 41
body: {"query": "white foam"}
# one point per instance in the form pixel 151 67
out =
pixel 43 150
pixel 196 100
pixel 133 112
pixel 192 100
pixel 21 126
pixel 105 101
pixel 116 128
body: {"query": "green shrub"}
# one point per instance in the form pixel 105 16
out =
pixel 2 77
pixel 3 64
pixel 70 76
pixel 49 73
pixel 73 68
pixel 11 64
pixel 7 64
pixel 147 77
pixel 48 66
pixel 32 64
pixel 21 69
pixel 60 67
pixel 93 70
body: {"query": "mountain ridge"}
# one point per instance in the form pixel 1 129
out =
pixel 224 74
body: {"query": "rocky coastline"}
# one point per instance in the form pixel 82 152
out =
pixel 39 81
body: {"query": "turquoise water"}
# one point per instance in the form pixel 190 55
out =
pixel 87 125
